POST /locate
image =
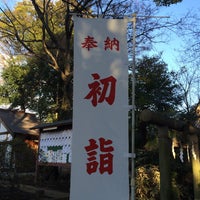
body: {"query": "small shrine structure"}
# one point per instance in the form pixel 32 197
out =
pixel 54 147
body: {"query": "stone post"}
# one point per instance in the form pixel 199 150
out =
pixel 164 163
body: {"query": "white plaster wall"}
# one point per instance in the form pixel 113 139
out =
pixel 57 140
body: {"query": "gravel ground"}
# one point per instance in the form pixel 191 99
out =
pixel 8 193
pixel 30 193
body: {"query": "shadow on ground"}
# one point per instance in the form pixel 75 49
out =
pixel 28 192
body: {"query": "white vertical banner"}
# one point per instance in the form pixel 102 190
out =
pixel 100 110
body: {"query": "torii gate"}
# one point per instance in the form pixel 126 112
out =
pixel 163 124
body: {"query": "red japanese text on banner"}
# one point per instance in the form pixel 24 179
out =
pixel 100 110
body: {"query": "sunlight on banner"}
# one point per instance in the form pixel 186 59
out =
pixel 100 117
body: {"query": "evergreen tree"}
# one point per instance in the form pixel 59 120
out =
pixel 156 88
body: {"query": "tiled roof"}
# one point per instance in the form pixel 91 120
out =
pixel 18 121
pixel 57 124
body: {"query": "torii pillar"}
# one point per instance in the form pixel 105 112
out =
pixel 195 165
pixel 164 163
pixel 163 123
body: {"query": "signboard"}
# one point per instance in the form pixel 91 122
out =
pixel 55 147
pixel 100 111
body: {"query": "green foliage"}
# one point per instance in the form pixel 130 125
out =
pixel 43 83
pixel 33 85
pixel 46 35
pixel 147 182
pixel 14 86
pixel 156 90
pixel 155 87
pixel 148 177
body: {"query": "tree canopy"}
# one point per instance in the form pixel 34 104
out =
pixel 47 35
pixel 155 87
pixel 166 2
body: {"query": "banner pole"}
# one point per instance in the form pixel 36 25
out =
pixel 133 102
pixel 133 113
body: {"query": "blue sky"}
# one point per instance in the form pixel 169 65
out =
pixel 170 53
pixel 169 50
pixel 10 3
